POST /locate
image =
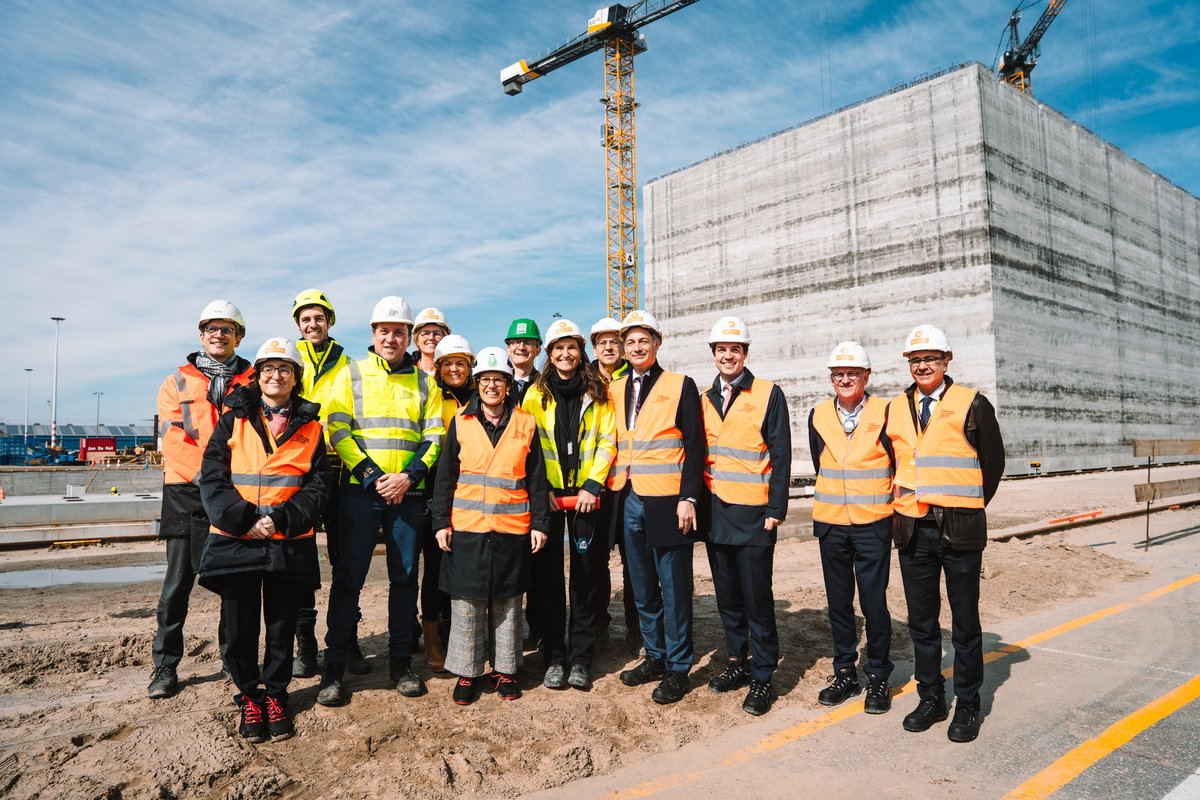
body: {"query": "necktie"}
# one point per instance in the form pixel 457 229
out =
pixel 727 391
pixel 633 402
pixel 926 402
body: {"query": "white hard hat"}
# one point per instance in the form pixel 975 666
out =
pixel 564 329
pixel 639 318
pixel 453 345
pixel 606 325
pixel 849 354
pixel 430 316
pixel 492 359
pixel 278 347
pixel 730 329
pixel 392 309
pixel 223 309
pixel 926 337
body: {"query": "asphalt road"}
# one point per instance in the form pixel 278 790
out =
pixel 1095 698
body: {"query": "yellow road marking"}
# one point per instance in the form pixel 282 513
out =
pixel 830 718
pixel 1069 767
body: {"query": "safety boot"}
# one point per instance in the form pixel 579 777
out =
pixel 331 691
pixel 304 665
pixel 435 655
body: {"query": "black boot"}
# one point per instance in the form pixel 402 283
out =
pixel 332 693
pixel 304 665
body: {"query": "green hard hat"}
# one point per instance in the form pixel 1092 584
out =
pixel 523 329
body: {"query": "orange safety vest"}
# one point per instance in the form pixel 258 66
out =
pixel 854 481
pixel 938 466
pixel 738 468
pixel 189 419
pixel 652 453
pixel 268 480
pixel 491 494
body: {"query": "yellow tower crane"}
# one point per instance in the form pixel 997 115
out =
pixel 615 30
pixel 1021 57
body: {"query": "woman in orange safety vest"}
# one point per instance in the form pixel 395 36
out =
pixel 491 511
pixel 263 482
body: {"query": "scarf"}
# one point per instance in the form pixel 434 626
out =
pixel 460 393
pixel 568 407
pixel 219 375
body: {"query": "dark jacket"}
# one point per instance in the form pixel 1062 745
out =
pixel 963 528
pixel 227 510
pixel 743 525
pixel 661 516
pixel 485 564
pixel 816 445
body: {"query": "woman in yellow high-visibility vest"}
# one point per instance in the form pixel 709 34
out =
pixel 491 511
pixel 263 482
pixel 577 428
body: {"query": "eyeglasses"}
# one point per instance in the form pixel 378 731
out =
pixel 931 360
pixel 491 380
pixel 213 330
pixel 608 343
pixel 431 333
pixel 267 370
pixel 847 376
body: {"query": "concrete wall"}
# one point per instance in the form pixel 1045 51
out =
pixel 25 481
pixel 1065 273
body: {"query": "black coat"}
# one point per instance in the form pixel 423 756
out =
pixel 661 513
pixel 734 524
pixel 228 511
pixel 486 564
pixel 963 528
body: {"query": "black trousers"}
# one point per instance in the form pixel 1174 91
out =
pixel 182 513
pixel 746 602
pixel 245 598
pixel 329 521
pixel 587 549
pixel 853 554
pixel 547 611
pixel 435 604
pixel 921 566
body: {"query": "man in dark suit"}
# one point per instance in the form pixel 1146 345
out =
pixel 657 482
pixel 949 461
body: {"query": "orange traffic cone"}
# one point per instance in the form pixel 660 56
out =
pixel 1 494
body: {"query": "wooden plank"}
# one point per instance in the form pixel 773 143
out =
pixel 1145 492
pixel 1146 448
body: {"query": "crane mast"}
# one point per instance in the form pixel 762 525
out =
pixel 613 29
pixel 1021 57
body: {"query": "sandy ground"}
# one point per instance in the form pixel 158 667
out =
pixel 74 662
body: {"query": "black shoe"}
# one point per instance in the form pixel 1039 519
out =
pixel 556 677
pixel 254 725
pixel 506 686
pixel 304 665
pixel 647 671
pixel 930 710
pixel 758 699
pixel 163 683
pixel 734 676
pixel 580 677
pixel 879 696
pixel 841 686
pixel 408 683
pixel 279 725
pixel 465 691
pixel 674 686
pixel 357 664
pixel 533 639
pixel 965 725
pixel 331 691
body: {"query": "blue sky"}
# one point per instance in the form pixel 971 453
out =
pixel 154 156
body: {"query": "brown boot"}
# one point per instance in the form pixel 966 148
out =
pixel 435 657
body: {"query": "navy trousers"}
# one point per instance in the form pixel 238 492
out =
pixel 850 555
pixel 746 602
pixel 662 589
pixel 246 600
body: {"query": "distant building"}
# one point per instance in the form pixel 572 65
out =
pixel 12 439
pixel 1066 274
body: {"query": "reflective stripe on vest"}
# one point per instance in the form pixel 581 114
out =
pixel 490 494
pixel 651 455
pixel 738 468
pixel 268 480
pixel 854 482
pixel 184 440
pixel 403 434
pixel 938 466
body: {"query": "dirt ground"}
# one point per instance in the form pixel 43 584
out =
pixel 74 663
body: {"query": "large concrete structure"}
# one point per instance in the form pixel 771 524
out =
pixel 1066 274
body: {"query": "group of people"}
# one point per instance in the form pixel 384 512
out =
pixel 512 483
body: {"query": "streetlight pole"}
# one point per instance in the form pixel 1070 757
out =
pixel 54 383
pixel 98 396
pixel 28 370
